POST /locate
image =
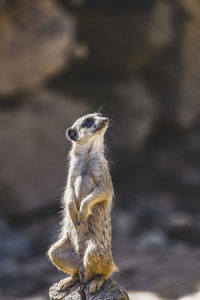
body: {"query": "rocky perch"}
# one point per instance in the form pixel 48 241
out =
pixel 109 291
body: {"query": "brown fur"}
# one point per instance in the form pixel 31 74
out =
pixel 84 248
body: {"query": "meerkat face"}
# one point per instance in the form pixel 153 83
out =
pixel 87 127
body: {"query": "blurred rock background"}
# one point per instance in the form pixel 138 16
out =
pixel 140 60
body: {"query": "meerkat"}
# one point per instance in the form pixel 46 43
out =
pixel 84 248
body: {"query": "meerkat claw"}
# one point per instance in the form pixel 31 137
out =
pixel 82 275
pixel 96 284
pixel 66 282
pixel 78 224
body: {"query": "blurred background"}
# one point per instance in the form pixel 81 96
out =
pixel 140 60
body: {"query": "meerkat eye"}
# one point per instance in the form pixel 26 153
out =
pixel 88 122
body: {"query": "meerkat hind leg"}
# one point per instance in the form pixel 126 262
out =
pixel 64 258
pixel 67 282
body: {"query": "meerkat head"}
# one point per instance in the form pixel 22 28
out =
pixel 87 127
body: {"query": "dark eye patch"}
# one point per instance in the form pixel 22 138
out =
pixel 89 122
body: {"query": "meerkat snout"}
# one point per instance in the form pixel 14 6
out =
pixel 104 121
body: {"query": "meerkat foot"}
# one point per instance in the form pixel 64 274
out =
pixel 67 282
pixel 96 284
pixel 84 276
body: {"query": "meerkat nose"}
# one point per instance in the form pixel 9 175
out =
pixel 105 120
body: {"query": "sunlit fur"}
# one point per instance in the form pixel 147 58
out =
pixel 84 248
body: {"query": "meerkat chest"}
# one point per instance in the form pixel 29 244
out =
pixel 84 178
pixel 83 185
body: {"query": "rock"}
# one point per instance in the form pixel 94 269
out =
pixel 137 113
pixel 122 42
pixel 36 42
pixel 109 291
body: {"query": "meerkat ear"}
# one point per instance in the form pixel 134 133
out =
pixel 72 134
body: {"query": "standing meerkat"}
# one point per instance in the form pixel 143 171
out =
pixel 84 247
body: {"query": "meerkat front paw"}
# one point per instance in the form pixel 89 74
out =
pixel 83 214
pixel 96 284
pixel 67 282
pixel 73 212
